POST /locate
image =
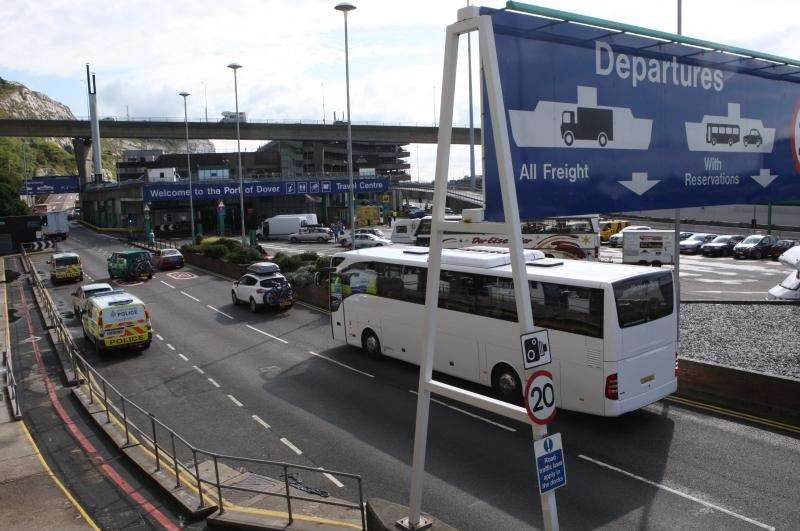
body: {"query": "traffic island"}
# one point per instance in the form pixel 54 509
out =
pixel 383 515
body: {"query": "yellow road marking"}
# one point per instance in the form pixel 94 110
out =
pixel 736 414
pixel 89 521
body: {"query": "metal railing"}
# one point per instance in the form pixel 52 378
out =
pixel 11 383
pixel 171 451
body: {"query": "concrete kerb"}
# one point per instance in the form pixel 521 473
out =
pixel 742 302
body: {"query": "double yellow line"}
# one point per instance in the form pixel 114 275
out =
pixel 735 414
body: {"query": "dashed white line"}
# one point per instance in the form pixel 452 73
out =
pixel 159 337
pixel 167 285
pixel 294 448
pixel 213 382
pixel 198 369
pixel 473 415
pixel 195 299
pixel 219 311
pixel 276 338
pixel 88 277
pixel 170 347
pixel 333 479
pixel 677 492
pixel 184 358
pixel 260 421
pixel 233 399
pixel 339 363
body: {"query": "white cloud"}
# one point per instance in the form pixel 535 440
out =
pixel 147 51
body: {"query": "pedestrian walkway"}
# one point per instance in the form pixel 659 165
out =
pixel 31 496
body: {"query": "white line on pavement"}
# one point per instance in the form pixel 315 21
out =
pixel 333 479
pixel 184 358
pixel 170 347
pixel 214 383
pixel 276 338
pixel 219 311
pixel 195 299
pixel 198 369
pixel 294 448
pixel 677 492
pixel 233 399
pixel 737 292
pixel 167 285
pixel 258 419
pixel 159 337
pixel 340 364
pixel 473 415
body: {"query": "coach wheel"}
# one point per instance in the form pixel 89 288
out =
pixel 506 384
pixel 371 344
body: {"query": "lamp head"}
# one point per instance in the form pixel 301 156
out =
pixel 184 94
pixel 234 66
pixel 344 7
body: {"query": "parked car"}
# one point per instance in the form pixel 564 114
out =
pixel 692 244
pixel 311 234
pixel 683 235
pixel 755 246
pixel 789 288
pixel 263 286
pixel 416 213
pixel 721 245
pixel 780 247
pixel 615 240
pixel 168 258
pixel 344 239
pixel 368 240
pixel 82 293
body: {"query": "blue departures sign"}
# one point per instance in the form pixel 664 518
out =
pixel 604 121
pixel 201 191
pixel 62 184
pixel 550 467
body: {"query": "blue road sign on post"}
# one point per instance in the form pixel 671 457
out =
pixel 550 467
pixel 602 119
pixel 62 184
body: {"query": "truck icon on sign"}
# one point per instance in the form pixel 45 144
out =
pixel 584 124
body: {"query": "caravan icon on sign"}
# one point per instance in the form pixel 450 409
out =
pixel 584 124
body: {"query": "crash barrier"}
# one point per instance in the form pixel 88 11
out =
pixel 38 246
pixel 173 453
pixel 8 361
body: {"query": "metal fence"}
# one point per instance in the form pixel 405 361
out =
pixel 11 383
pixel 171 451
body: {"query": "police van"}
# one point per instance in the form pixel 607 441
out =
pixel 116 320
pixel 65 267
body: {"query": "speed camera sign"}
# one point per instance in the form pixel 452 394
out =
pixel 540 397
pixel 535 349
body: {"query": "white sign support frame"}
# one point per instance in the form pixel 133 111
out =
pixel 469 20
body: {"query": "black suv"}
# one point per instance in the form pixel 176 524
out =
pixel 755 246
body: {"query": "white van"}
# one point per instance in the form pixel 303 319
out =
pixel 404 230
pixel 281 226
pixel 648 247
pixel 789 289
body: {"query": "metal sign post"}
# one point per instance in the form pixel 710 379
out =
pixel 469 19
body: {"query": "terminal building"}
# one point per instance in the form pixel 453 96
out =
pixel 279 178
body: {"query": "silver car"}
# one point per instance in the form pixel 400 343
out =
pixel 312 234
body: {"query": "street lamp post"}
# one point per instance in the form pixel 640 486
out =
pixel 235 67
pixel 345 7
pixel 188 164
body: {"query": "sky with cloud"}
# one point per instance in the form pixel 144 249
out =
pixel 144 52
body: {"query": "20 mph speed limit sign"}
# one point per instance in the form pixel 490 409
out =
pixel 540 397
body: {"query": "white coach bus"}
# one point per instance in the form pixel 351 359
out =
pixel 612 327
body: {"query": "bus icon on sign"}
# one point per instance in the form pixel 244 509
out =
pixel 535 349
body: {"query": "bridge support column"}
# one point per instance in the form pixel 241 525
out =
pixel 95 214
pixel 80 146
pixel 117 213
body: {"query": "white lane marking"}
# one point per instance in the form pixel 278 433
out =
pixel 737 292
pixel 233 399
pixel 333 479
pixel 212 382
pixel 258 419
pixel 294 448
pixel 88 276
pixel 167 285
pixel 727 282
pixel 184 358
pixel 473 415
pixel 159 337
pixel 195 299
pixel 341 364
pixel 219 311
pixel 198 369
pixel 677 492
pixel 170 347
pixel 276 338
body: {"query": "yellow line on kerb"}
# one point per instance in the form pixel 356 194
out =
pixel 736 414
pixel 187 476
pixel 89 521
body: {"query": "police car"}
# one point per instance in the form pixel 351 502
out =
pixel 116 320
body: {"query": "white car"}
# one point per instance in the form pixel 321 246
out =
pixel 263 286
pixel 364 240
pixel 82 293
pixel 312 234
pixel 789 289
pixel 344 239
pixel 615 240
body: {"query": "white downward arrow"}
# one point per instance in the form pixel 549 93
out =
pixel 764 178
pixel 639 183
